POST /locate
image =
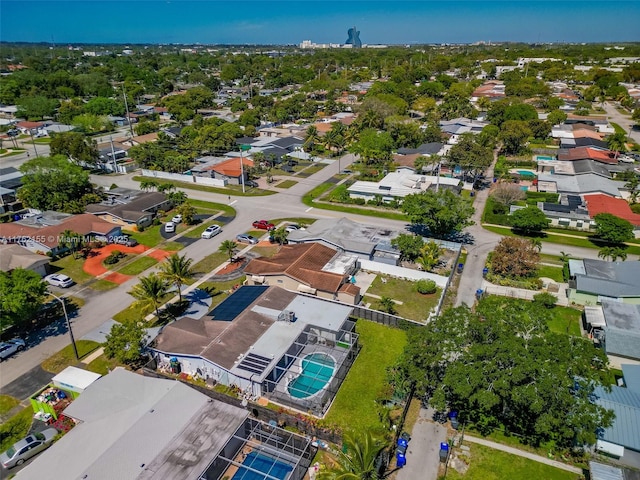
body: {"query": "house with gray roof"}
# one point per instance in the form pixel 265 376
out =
pixel 622 439
pixel 130 208
pixel 579 184
pixel 591 281
pixel 615 326
pixel 428 149
pixel 129 426
pixel 261 339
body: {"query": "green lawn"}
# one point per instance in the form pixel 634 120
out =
pixel 618 128
pixel 214 207
pixel 562 240
pixel 546 258
pixel 489 464
pixel 286 184
pixel 102 365
pixel 554 273
pixel 65 357
pixel 7 402
pixel 102 285
pixel 15 428
pixel 565 320
pixel 210 262
pixel 134 313
pixel 355 404
pixel 415 306
pixel 139 265
pixel 251 192
pixel 151 238
pixel 73 268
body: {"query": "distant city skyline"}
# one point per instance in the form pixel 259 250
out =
pixel 290 22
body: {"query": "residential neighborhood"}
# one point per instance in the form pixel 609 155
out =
pixel 233 263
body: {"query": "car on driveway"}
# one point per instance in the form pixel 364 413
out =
pixel 169 227
pixel 177 219
pixel 246 238
pixel 26 448
pixel 125 240
pixel 10 347
pixel 292 228
pixel 251 183
pixel 211 231
pixel 58 280
pixel 263 225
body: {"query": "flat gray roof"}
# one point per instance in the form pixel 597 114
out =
pixel 132 427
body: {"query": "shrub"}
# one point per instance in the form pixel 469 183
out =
pixel 635 208
pixel 426 287
pixel 545 299
pixel 114 257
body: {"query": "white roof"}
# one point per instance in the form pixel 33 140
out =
pixel 400 184
pixel 131 426
pixel 76 378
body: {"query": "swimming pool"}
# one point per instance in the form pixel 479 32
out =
pixel 544 158
pixel 317 370
pixel 262 467
pixel 526 173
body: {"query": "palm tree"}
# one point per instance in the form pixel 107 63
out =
pixel 149 292
pixel 564 257
pixel 177 271
pixel 613 253
pixel 312 137
pixel 359 460
pixel 148 185
pixel 71 240
pixel 617 142
pixel 632 186
pixel 228 247
pixel 429 255
pixel 387 305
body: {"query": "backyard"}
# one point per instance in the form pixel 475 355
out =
pixel 415 306
pixel 355 406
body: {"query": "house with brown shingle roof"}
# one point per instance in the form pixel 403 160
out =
pixel 15 256
pixel 310 268
pixel 43 233
pixel 587 153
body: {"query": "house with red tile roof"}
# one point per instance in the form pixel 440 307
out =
pixel 587 153
pixel 310 268
pixel 229 170
pixel 43 233
pixel 493 90
pixel 599 203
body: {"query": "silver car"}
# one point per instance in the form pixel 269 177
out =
pixel 10 347
pixel 26 448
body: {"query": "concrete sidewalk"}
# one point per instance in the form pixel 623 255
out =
pixel 522 453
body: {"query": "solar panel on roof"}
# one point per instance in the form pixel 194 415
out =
pixel 237 302
pixel 254 363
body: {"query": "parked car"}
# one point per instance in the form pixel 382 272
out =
pixel 126 241
pixel 263 225
pixel 246 238
pixel 169 227
pixel 211 231
pixel 251 183
pixel 292 228
pixel 26 448
pixel 10 347
pixel 58 280
pixel 177 219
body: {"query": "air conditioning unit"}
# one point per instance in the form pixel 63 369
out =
pixel 290 315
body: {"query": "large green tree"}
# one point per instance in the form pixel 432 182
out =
pixel 21 295
pixel 528 220
pixel 501 366
pixel 54 183
pixel 514 134
pixel 613 229
pixel 75 146
pixel 442 212
pixel 36 107
pixel 125 342
pixel 373 146
pixel 409 245
pixel 469 155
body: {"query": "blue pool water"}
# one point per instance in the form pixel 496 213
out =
pixel 526 173
pixel 544 158
pixel 317 370
pixel 268 466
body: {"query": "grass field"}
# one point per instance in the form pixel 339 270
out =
pixel 15 428
pixel 7 402
pixel 355 405
pixel 415 306
pixel 72 267
pixel 489 464
pixel 554 273
pixel 138 266
pixel 65 357
pixel 102 365
pixel 286 184
pixel 210 262
pixel 565 320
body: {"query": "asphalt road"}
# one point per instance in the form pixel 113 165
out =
pixel 624 121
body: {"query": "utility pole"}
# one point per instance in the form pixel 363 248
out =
pixel 126 107
pixel 66 316
pixel 35 150
pixel 113 156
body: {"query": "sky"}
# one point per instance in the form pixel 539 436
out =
pixel 289 22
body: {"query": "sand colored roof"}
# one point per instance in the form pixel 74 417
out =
pixel 408 160
pixel 148 138
pixel 599 203
pixel 303 262
pixel 14 256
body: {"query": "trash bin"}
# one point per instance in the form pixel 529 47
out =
pixel 401 460
pixel 444 451
pixel 460 267
pixel 453 417
pixel 485 271
pixel 479 293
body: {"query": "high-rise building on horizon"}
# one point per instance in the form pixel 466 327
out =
pixel 354 38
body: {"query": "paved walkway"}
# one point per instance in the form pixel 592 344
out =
pixel 522 453
pixel 423 453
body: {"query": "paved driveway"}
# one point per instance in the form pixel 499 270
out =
pixel 423 457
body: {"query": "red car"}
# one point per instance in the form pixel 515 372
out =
pixel 263 225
